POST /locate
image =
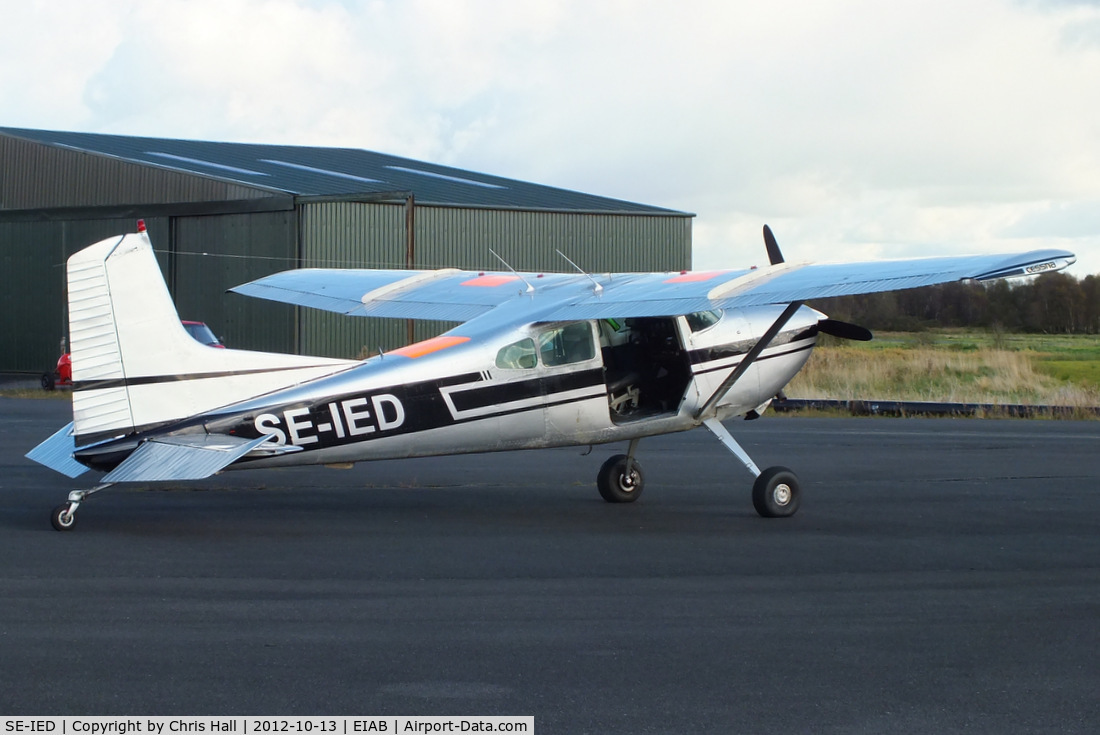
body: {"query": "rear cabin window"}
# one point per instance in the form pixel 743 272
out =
pixel 566 345
pixel 517 356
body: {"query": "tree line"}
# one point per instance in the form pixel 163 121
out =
pixel 1053 303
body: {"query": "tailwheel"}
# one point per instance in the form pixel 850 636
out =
pixel 776 493
pixel 620 480
pixel 63 517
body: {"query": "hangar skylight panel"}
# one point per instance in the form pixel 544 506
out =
pixel 445 177
pixel 323 171
pixel 208 164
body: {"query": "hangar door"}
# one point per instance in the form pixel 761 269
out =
pixel 212 253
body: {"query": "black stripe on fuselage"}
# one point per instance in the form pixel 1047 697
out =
pixel 389 411
pixel 762 358
pixel 742 347
pixel 158 379
pixel 494 395
pixel 422 406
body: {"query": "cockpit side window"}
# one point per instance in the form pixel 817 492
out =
pixel 566 345
pixel 517 356
pixel 701 320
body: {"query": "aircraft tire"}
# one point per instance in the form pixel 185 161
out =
pixel 47 381
pixel 615 485
pixel 62 519
pixel 776 493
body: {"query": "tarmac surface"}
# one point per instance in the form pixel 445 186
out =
pixel 941 576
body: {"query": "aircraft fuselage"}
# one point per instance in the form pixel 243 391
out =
pixel 647 377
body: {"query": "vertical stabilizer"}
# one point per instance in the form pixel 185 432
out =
pixel 93 342
pixel 134 364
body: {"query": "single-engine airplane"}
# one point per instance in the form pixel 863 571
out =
pixel 539 360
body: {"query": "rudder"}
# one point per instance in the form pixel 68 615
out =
pixel 134 364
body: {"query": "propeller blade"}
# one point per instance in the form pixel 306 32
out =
pixel 774 255
pixel 844 330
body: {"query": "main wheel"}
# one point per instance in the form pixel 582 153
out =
pixel 63 518
pixel 616 485
pixel 47 381
pixel 776 493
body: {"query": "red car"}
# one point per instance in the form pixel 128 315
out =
pixel 62 375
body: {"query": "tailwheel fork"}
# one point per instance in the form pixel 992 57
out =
pixel 63 517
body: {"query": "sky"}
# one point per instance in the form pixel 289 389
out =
pixel 857 129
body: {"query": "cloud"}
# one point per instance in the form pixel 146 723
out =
pixel 1068 220
pixel 49 52
pixel 856 128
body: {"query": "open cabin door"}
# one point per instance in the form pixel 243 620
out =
pixel 646 368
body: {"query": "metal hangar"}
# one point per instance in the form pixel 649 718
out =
pixel 220 214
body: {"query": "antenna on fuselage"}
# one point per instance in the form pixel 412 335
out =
pixel 530 288
pixel 580 270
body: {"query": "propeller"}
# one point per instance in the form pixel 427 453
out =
pixel 835 327
pixel 774 255
pixel 844 330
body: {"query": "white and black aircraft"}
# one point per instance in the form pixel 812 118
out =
pixel 539 360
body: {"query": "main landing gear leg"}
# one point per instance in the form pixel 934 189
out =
pixel 63 516
pixel 620 479
pixel 776 493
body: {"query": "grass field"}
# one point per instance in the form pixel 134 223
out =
pixel 956 366
pixel 943 365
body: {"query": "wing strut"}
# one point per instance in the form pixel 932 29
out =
pixel 707 410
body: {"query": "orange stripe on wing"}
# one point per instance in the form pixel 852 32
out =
pixel 428 346
pixel 490 281
pixel 692 276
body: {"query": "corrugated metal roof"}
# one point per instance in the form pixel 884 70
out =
pixel 309 171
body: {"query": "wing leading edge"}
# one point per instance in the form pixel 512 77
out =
pixel 446 293
pixel 463 295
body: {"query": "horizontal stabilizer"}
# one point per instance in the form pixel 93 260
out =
pixel 191 457
pixel 57 453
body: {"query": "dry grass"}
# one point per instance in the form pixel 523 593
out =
pixel 928 374
pixel 56 395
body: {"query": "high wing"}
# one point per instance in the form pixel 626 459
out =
pixel 463 295
pixel 668 295
pixel 447 293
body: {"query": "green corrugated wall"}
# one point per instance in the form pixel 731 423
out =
pixel 33 310
pixel 372 235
